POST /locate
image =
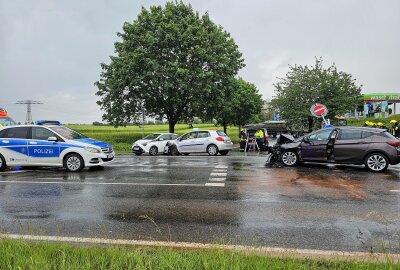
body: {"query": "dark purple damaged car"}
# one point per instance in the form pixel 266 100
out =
pixel 373 147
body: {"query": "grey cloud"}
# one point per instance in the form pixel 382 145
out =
pixel 51 50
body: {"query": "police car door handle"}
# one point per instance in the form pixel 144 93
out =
pixel 32 142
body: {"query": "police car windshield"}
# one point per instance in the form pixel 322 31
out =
pixel 68 133
pixel 7 121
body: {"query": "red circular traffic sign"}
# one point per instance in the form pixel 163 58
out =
pixel 318 110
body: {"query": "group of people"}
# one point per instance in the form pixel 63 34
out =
pixel 393 129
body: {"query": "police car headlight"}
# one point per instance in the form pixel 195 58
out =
pixel 93 150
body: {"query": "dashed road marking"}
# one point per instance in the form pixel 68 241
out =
pixel 217 179
pixel 221 167
pixel 395 190
pixel 218 174
pixel 215 184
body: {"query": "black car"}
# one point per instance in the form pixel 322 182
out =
pixel 376 148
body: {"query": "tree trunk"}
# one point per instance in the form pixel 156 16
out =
pixel 171 124
pixel 225 129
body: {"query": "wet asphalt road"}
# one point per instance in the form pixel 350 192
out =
pixel 232 200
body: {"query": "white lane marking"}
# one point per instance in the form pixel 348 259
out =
pixel 221 167
pixel 217 179
pixel 99 183
pixel 271 251
pixel 218 174
pixel 215 184
pixel 395 190
pixel 219 170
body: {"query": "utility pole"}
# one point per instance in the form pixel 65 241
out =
pixel 28 103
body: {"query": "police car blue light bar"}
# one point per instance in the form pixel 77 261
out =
pixel 48 122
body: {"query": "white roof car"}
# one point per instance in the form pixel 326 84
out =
pixel 153 143
pixel 51 145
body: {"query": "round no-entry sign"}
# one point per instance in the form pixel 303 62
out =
pixel 318 110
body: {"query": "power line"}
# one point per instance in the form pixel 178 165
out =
pixel 28 103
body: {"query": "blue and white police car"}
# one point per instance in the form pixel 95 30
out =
pixel 48 143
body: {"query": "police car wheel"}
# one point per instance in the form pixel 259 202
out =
pixel 74 163
pixel 3 164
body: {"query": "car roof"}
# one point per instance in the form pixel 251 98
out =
pixel 31 126
pixel 370 129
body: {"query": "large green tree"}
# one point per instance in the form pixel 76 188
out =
pixel 241 103
pixel 170 60
pixel 304 86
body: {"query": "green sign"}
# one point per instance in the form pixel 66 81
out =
pixel 382 97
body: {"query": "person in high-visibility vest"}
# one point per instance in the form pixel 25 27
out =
pixel 394 129
pixel 259 137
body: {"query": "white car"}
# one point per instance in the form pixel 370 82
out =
pixel 202 141
pixel 52 145
pixel 153 143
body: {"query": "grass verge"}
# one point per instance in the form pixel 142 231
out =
pixel 17 254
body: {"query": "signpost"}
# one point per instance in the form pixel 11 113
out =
pixel 319 111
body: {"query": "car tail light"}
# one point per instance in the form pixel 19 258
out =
pixel 266 137
pixel 395 144
pixel 220 139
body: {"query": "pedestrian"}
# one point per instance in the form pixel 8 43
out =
pixel 259 137
pixel 394 128
pixel 243 139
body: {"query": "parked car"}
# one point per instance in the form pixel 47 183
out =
pixel 153 143
pixel 50 144
pixel 202 141
pixel 376 148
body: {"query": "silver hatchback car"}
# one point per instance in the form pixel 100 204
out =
pixel 202 141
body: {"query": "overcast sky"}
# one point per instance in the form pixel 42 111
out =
pixel 51 50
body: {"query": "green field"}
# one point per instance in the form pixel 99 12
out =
pixel 122 137
pixel 31 255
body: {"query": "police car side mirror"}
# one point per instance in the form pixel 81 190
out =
pixel 52 139
pixel 161 139
pixel 306 140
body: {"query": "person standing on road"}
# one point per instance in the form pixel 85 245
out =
pixel 243 139
pixel 259 137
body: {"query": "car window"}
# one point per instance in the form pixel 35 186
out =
pixel 322 135
pixel 39 133
pixel 203 134
pixel 173 136
pixel 390 136
pixel 18 133
pixel 165 137
pixel 350 134
pixel 187 136
pixel 3 133
pixel 221 133
pixel 68 133
pixel 366 134
pixel 151 137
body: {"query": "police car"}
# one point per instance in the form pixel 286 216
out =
pixel 48 143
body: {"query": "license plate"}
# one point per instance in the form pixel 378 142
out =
pixel 136 148
pixel 110 156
